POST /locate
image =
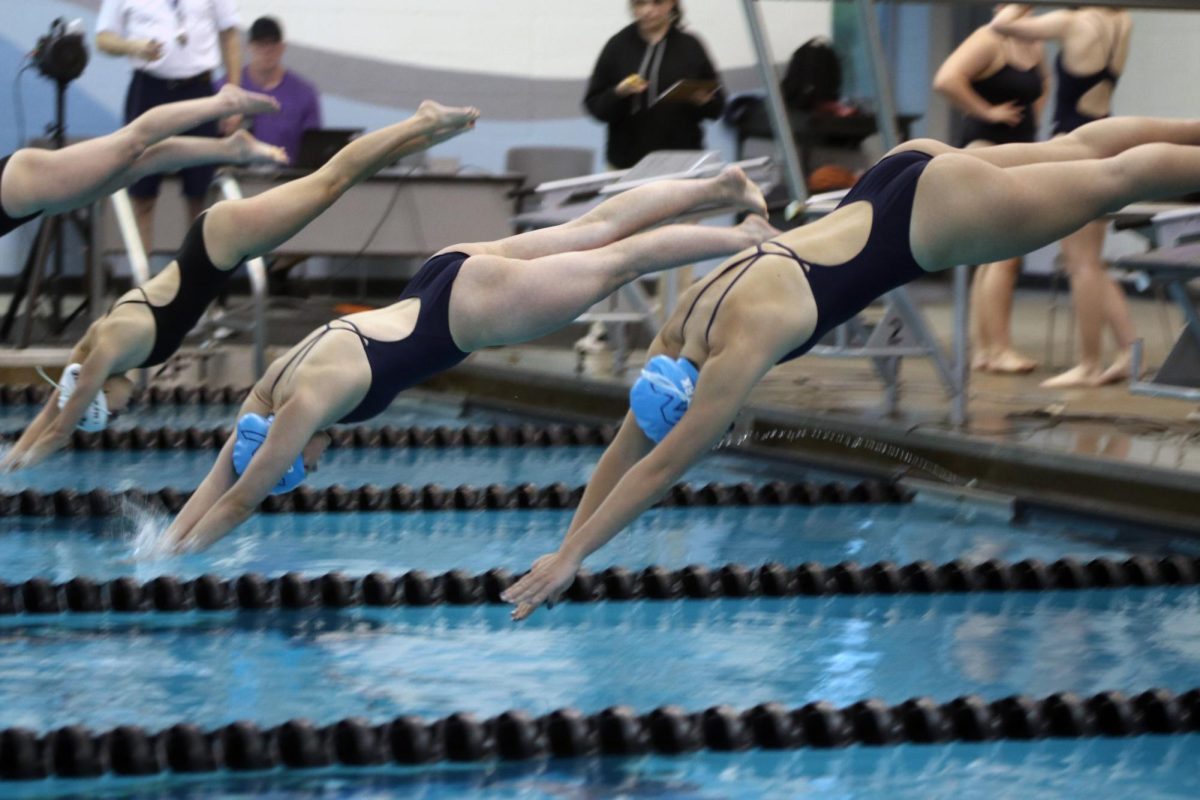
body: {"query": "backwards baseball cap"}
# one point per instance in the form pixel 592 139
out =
pixel 266 29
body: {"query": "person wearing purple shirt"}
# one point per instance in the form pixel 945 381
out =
pixel 299 105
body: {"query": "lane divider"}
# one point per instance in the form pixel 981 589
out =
pixel 442 436
pixel 37 394
pixel 255 592
pixel 77 752
pixel 431 497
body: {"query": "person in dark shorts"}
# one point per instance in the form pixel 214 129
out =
pixel 175 46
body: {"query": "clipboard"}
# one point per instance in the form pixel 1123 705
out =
pixel 685 90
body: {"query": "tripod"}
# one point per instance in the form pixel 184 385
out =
pixel 49 238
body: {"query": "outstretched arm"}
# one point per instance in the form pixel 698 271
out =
pixel 222 502
pixel 1053 25
pixel 218 481
pixel 31 434
pixel 726 379
pixel 627 448
pixel 52 429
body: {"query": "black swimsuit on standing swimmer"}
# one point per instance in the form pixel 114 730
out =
pixel 1071 89
pixel 886 261
pixel 403 363
pixel 9 224
pixel 1008 85
pixel 199 284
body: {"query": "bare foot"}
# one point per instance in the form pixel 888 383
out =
pixel 979 362
pixel 248 150
pixel 758 229
pixel 1010 362
pixel 1076 377
pixel 741 191
pixel 238 101
pixel 1118 371
pixel 447 116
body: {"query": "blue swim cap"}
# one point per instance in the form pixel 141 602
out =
pixel 251 433
pixel 661 394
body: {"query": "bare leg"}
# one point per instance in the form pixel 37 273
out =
pixel 54 180
pixel 238 229
pixel 1120 321
pixel 981 345
pixel 995 302
pixel 180 152
pixel 499 300
pixel 1081 256
pixel 629 212
pixel 1100 139
pixel 1027 207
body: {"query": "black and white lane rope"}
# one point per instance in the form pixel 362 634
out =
pixel 361 436
pixel 254 592
pixel 77 752
pixel 431 497
pixel 35 394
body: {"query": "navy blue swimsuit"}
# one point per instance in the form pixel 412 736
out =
pixel 885 262
pixel 200 281
pixel 400 364
pixel 9 224
pixel 1070 89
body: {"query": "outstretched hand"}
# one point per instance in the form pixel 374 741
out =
pixel 545 582
pixel 46 446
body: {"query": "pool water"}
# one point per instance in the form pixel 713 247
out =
pixel 214 668
pixel 476 541
pixel 153 670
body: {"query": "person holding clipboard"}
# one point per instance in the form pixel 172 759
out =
pixel 653 85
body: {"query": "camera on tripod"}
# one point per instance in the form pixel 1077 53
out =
pixel 61 55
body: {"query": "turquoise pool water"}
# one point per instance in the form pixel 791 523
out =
pixel 157 669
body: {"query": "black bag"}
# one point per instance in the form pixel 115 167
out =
pixel 814 75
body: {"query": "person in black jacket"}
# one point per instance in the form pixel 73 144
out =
pixel 635 67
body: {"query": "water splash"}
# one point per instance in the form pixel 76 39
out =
pixel 148 527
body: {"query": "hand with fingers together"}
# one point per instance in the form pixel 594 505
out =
pixel 545 582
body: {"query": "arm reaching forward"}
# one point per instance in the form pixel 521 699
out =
pixel 224 500
pixel 726 379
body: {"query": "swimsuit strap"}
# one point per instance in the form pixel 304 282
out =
pixel 745 263
pixel 299 355
pixel 145 301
